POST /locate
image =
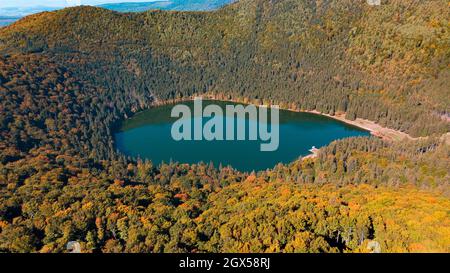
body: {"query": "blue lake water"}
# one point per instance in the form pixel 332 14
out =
pixel 148 135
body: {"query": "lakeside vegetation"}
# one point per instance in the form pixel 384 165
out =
pixel 67 77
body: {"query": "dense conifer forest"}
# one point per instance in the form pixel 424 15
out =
pixel 68 77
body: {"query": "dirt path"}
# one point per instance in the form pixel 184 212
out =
pixel 374 128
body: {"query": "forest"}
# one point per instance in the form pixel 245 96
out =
pixel 68 77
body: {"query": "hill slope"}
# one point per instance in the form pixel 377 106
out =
pixel 9 15
pixel 338 56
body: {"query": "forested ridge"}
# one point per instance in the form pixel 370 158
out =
pixel 67 77
pixel 388 64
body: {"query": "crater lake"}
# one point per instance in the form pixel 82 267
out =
pixel 147 135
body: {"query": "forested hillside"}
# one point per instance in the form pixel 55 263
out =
pixel 185 5
pixel 67 78
pixel 388 64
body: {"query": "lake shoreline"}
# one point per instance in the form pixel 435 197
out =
pixel 374 128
